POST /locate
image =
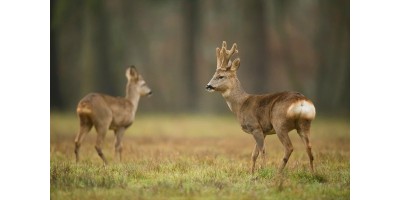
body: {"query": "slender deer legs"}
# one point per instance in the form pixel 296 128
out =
pixel 259 147
pixel 304 133
pixel 119 133
pixel 85 126
pixel 305 137
pixel 254 157
pixel 101 133
pixel 285 140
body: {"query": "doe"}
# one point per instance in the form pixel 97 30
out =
pixel 266 114
pixel 106 112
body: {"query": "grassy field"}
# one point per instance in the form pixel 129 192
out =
pixel 197 157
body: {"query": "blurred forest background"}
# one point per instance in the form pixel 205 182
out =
pixel 283 45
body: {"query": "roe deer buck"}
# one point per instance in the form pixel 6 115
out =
pixel 106 112
pixel 261 115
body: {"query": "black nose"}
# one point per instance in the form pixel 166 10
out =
pixel 209 87
pixel 150 93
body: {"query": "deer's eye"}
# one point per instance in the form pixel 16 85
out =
pixel 220 77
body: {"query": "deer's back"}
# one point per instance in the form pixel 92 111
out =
pixel 102 108
pixel 269 111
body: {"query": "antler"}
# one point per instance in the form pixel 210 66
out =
pixel 224 55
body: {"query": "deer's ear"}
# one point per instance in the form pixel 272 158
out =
pixel 131 73
pixel 235 64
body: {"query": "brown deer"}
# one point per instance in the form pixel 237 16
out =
pixel 262 115
pixel 105 112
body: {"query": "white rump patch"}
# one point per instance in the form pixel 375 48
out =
pixel 83 110
pixel 301 109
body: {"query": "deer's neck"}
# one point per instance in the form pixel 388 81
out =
pixel 235 97
pixel 133 97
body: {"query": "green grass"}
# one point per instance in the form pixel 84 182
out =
pixel 197 157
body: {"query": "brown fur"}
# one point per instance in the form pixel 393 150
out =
pixel 261 115
pixel 105 112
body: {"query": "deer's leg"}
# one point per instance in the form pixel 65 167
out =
pixel 304 132
pixel 259 147
pixel 101 133
pixel 254 157
pixel 85 126
pixel 305 137
pixel 285 140
pixel 119 133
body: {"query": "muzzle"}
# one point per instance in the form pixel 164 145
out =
pixel 210 88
